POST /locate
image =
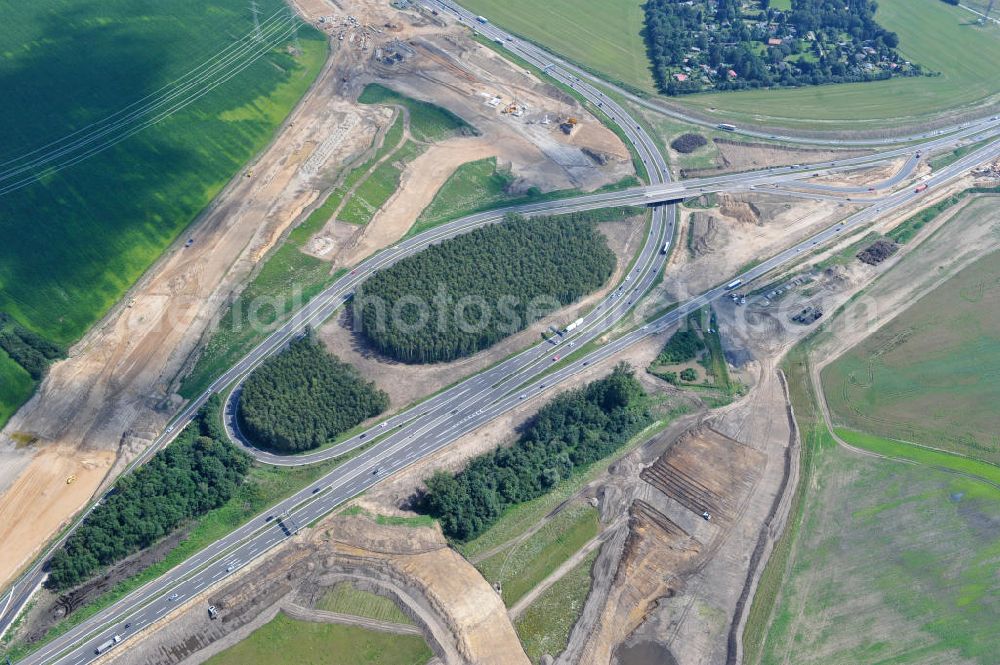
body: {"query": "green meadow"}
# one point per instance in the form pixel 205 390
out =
pixel 930 375
pixel 76 239
pixel 605 37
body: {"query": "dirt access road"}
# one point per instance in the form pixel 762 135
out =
pixel 112 395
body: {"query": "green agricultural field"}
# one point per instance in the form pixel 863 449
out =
pixel 285 640
pixel 600 34
pixel 929 31
pixel 522 567
pixel 893 563
pixel 346 599
pixel 605 37
pixel 545 626
pixel 16 386
pixel 73 242
pixel 931 375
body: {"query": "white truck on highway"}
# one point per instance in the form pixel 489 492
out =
pixel 733 284
pixel 482 19
pixel 573 326
pixel 107 644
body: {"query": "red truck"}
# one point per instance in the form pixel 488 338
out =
pixel 920 188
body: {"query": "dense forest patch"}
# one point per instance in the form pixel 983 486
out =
pixel 687 143
pixel 304 397
pixel 199 471
pixel 575 429
pixel 467 293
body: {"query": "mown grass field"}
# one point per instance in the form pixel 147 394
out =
pixel 882 561
pixel 930 376
pixel 72 241
pixel 601 34
pixel 545 626
pixel 605 37
pixel 346 599
pixel 285 640
pixel 521 567
pixel 930 33
pixel 893 563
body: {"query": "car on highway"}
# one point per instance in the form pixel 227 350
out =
pixel 316 490
pixel 174 596
pixel 377 471
pixel 555 358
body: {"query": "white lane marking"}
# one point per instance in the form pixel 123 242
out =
pixel 160 611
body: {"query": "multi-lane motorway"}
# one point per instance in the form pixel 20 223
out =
pixel 410 435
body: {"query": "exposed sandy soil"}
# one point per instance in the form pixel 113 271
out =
pixel 115 391
pixel 406 383
pixel 417 187
pixel 743 227
pixel 739 156
pixel 43 483
pixel 458 613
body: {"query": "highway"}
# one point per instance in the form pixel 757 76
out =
pixel 521 47
pixel 402 445
pixel 421 430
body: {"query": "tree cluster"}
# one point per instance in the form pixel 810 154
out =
pixel 467 293
pixel 683 345
pixel 725 45
pixel 27 348
pixel 686 143
pixel 199 471
pixel 304 397
pixel 574 430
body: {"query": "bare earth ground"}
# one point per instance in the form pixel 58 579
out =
pixel 742 228
pixel 111 397
pixel 458 613
pixel 734 156
pixel 666 583
pixel 406 383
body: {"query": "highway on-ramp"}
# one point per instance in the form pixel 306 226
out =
pixel 409 436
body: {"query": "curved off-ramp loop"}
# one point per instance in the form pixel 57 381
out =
pixel 400 447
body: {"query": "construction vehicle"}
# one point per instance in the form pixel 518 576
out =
pixel 249 173
pixel 107 644
pixel 568 126
pixel 212 612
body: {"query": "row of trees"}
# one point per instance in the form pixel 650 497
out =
pixel 693 47
pixel 467 293
pixel 28 349
pixel 198 472
pixel 303 397
pixel 574 430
